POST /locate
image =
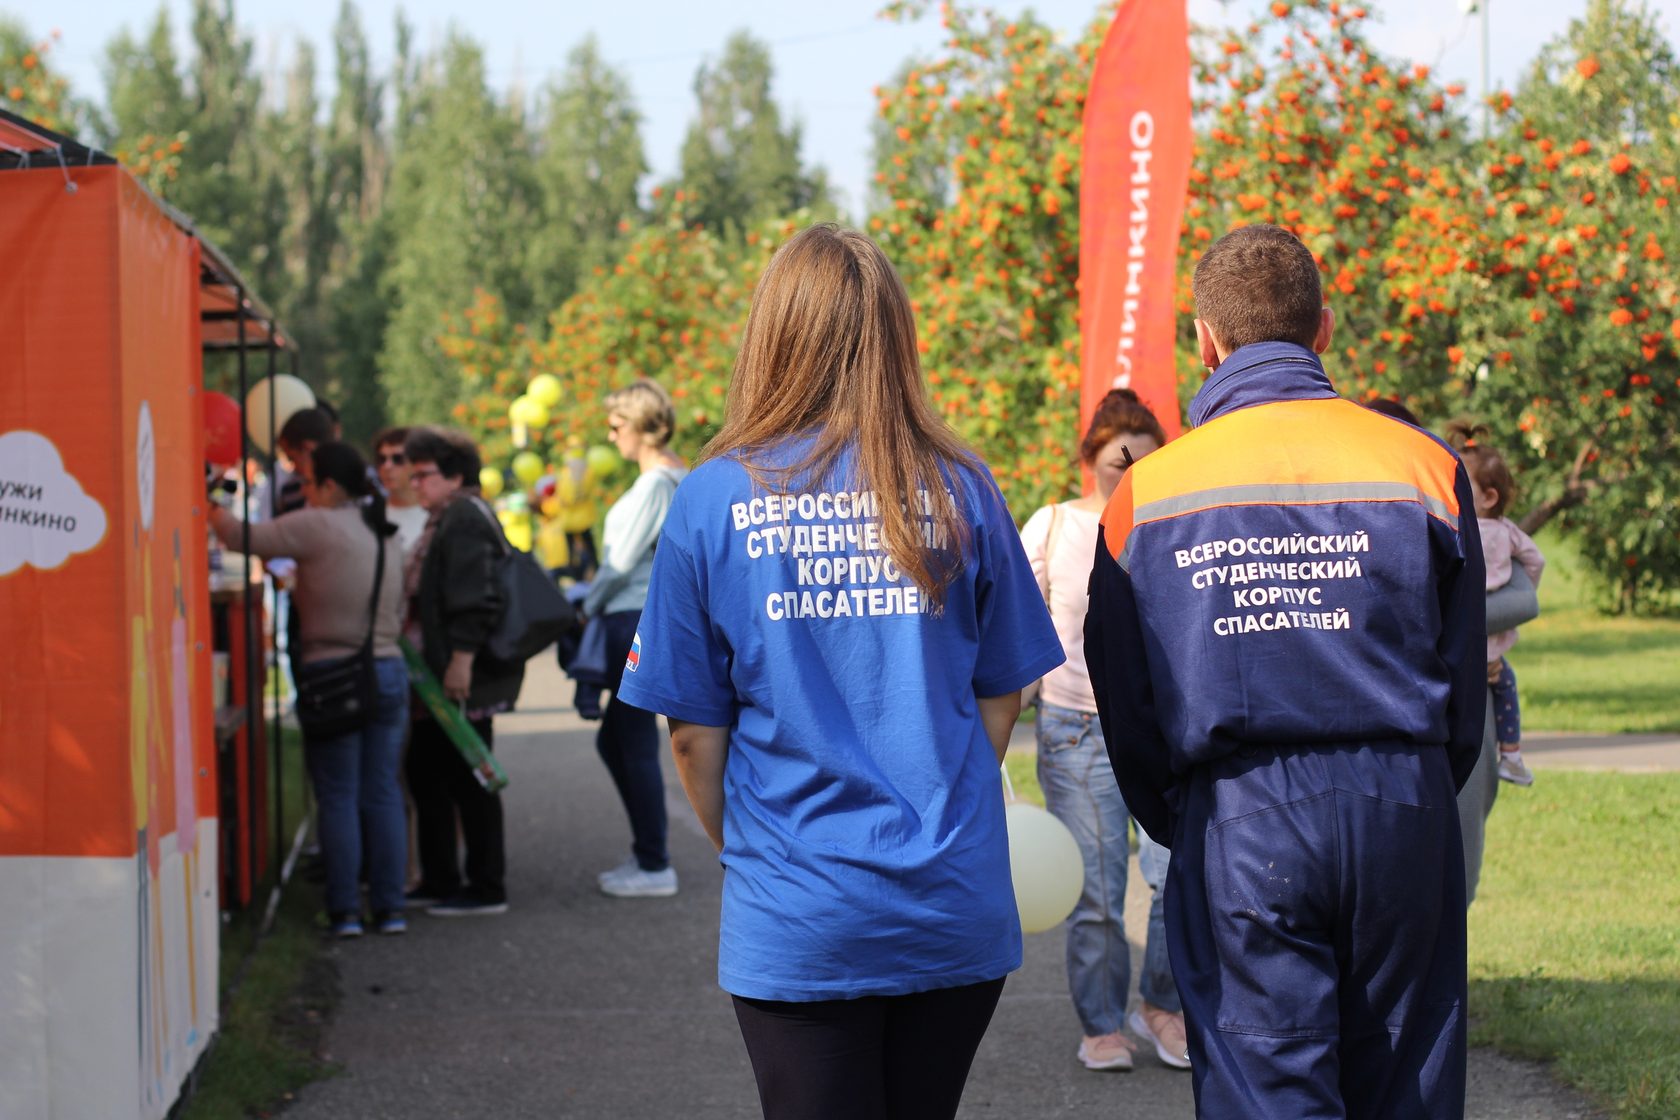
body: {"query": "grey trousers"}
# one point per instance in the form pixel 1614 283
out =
pixel 1475 802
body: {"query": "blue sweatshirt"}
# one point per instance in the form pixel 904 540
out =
pixel 1296 570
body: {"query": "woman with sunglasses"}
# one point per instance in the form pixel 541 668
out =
pixel 839 626
pixel 1074 771
pixel 402 504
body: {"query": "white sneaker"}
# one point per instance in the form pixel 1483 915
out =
pixel 1106 1052
pixel 618 872
pixel 642 884
pixel 1173 1051
pixel 1513 769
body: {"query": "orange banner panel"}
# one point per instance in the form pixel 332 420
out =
pixel 65 784
pixel 1134 174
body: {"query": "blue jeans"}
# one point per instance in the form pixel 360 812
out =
pixel 1079 788
pixel 359 798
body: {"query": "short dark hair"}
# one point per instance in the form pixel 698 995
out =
pixel 1259 284
pixel 307 425
pixel 387 436
pixel 1393 406
pixel 454 453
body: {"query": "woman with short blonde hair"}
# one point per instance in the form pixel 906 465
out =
pixel 639 420
pixel 839 624
pixel 647 408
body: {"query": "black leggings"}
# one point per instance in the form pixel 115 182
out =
pixel 628 743
pixel 875 1058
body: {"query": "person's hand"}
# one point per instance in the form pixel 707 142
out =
pixel 457 678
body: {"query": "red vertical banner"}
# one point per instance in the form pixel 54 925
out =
pixel 1135 172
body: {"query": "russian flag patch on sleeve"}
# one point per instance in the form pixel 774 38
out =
pixel 635 657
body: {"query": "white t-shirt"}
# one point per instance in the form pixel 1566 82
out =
pixel 1066 565
pixel 410 522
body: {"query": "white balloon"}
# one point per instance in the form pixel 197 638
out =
pixel 1046 865
pixel 291 396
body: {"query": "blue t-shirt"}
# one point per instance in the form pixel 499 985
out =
pixel 864 843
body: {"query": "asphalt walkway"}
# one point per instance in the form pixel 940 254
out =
pixel 578 1005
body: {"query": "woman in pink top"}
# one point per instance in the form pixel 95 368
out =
pixel 1503 546
pixel 1078 782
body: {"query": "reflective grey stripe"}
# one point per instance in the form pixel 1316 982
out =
pixel 1293 493
pixel 1125 557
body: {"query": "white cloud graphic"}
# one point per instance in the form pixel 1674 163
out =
pixel 45 515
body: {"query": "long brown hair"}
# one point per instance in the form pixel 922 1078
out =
pixel 830 351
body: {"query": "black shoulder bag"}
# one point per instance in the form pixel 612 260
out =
pixel 336 697
pixel 534 612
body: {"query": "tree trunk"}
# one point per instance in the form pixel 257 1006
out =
pixel 1575 491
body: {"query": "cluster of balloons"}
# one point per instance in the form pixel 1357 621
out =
pixel 529 469
pixel 534 409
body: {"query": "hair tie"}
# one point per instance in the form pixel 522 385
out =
pixel 1469 443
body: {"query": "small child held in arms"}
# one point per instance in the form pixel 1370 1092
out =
pixel 1502 544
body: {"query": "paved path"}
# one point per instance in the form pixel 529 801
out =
pixel 577 1005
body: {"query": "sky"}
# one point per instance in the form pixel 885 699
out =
pixel 828 56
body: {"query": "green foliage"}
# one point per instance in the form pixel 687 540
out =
pixel 28 86
pixel 989 247
pixel 589 162
pixel 740 164
pixel 671 309
pixel 463 198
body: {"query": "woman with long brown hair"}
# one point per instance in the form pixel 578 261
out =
pixel 839 624
pixel 1077 779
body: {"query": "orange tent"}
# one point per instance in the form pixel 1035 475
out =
pixel 110 851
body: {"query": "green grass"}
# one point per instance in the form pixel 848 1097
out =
pixel 266 1048
pixel 1581 670
pixel 1575 935
pixel 276 993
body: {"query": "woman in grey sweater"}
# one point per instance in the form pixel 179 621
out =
pixel 641 419
pixel 336 541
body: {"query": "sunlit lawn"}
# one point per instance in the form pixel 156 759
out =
pixel 1575 935
pixel 1580 670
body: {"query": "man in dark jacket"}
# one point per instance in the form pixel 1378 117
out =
pixel 456 605
pixel 1286 639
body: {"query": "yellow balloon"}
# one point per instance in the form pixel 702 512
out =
pixel 601 461
pixel 529 412
pixel 527 467
pixel 1046 865
pixel 544 389
pixel 490 481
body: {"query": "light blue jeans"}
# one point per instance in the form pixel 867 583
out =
pixel 360 799
pixel 1079 788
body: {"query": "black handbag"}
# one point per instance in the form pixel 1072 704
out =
pixel 337 697
pixel 534 613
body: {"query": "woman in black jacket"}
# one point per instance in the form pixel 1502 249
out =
pixel 455 603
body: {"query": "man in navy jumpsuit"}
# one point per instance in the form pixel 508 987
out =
pixel 1286 641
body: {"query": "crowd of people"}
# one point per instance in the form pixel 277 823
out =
pixel 1259 646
